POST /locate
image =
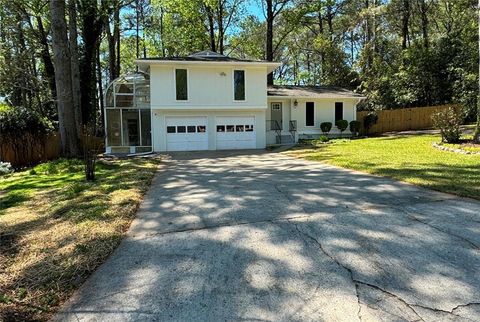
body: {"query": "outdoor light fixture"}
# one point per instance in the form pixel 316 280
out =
pixel 295 103
pixel 223 74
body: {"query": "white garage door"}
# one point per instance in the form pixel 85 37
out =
pixel 186 133
pixel 235 133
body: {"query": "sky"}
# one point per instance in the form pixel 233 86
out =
pixel 254 8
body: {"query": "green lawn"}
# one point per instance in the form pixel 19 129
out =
pixel 408 158
pixel 56 228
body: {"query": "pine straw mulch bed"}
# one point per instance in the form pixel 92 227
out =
pixel 465 146
pixel 56 229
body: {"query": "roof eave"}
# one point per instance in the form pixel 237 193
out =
pixel 315 97
pixel 271 66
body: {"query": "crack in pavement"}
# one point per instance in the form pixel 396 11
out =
pixel 376 287
pixel 472 244
pixel 221 225
pixel 320 246
pixel 352 277
pixel 464 305
pixel 444 311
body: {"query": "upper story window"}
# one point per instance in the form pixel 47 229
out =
pixel 338 111
pixel 239 85
pixel 181 84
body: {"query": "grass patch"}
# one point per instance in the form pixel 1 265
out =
pixel 56 229
pixel 409 158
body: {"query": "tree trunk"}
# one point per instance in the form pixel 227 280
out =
pixel 46 58
pixel 74 57
pixel 116 37
pixel 211 27
pixel 92 26
pixel 269 45
pixel 330 21
pixel 111 51
pixel 164 52
pixel 63 79
pixel 405 22
pixel 221 32
pixel 423 11
pixel 368 38
pixel 476 135
pixel 100 92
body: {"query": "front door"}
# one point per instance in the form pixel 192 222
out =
pixel 276 115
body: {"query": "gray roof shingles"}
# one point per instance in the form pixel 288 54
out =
pixel 205 55
pixel 310 91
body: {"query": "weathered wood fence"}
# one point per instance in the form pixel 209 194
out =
pixel 404 119
pixel 20 155
pixel 26 154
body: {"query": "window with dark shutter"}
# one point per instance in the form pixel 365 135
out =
pixel 239 85
pixel 338 111
pixel 181 84
pixel 310 114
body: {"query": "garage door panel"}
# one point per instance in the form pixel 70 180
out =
pixel 235 133
pixel 186 133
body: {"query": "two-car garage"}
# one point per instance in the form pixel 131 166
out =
pixel 192 133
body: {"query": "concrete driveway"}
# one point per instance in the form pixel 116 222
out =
pixel 254 236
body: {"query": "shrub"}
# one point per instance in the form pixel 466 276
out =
pixel 326 127
pixel 323 138
pixel 370 120
pixel 341 125
pixel 448 121
pixel 5 168
pixel 354 127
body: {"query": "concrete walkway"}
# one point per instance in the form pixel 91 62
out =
pixel 253 236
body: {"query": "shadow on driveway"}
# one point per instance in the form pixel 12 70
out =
pixel 260 236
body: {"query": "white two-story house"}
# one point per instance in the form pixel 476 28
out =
pixel 207 101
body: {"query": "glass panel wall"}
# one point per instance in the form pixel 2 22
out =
pixel 127 112
pixel 131 127
pixel 146 127
pixel 142 95
pixel 113 128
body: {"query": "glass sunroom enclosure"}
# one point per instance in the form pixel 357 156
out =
pixel 127 114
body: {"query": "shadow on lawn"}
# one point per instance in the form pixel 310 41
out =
pixel 66 208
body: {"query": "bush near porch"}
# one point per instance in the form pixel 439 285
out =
pixel 56 229
pixel 407 158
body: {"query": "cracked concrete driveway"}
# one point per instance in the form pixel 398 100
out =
pixel 266 237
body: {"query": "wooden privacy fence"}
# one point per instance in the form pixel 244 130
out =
pixel 405 119
pixel 24 153
pixel 21 155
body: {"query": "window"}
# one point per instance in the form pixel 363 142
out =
pixel 220 128
pixel 239 128
pixel 230 128
pixel 181 129
pixel 239 85
pixel 201 129
pixel 191 128
pixel 338 111
pixel 248 128
pixel 181 84
pixel 310 114
pixel 171 129
pixel 276 106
